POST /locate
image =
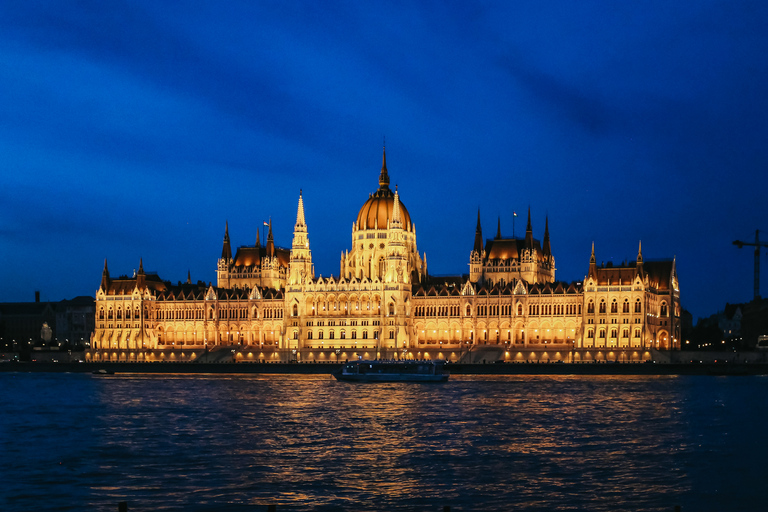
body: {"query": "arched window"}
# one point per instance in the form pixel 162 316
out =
pixel 295 310
pixel 638 306
pixel 614 307
pixel 663 309
pixel 591 333
pixel 391 308
pixel 519 310
pixel 626 306
pixel 468 311
pixel 591 307
pixel 602 306
pixel 101 314
pixel 309 335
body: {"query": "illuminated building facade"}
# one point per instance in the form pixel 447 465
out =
pixel 268 304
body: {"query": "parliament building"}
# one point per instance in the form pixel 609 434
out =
pixel 268 305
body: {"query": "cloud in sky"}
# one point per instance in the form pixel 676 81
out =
pixel 136 129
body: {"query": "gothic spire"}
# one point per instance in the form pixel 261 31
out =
pixel 300 223
pixel 141 266
pixel 105 276
pixel 226 250
pixel 529 232
pixel 640 259
pixel 547 248
pixel 592 263
pixel 258 241
pixel 270 241
pixel 384 176
pixel 396 218
pixel 498 229
pixel 478 235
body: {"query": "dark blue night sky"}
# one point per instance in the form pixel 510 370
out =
pixel 137 129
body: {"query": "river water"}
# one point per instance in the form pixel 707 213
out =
pixel 523 443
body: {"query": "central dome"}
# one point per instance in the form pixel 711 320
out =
pixel 377 210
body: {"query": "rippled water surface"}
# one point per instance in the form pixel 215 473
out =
pixel 236 443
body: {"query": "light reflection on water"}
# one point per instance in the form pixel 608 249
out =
pixel 229 442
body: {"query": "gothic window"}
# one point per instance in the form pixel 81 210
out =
pixel 637 333
pixel 391 308
pixel 614 307
pixel 468 311
pixel 591 307
pixel 309 335
pixel 638 306
pixel 591 333
pixel 119 314
pixel 519 310
pixel 613 333
pixel 295 310
pixel 625 333
pixel 365 335
pixel 354 335
pixel 320 335
pixel 109 315
pixel 331 335
pixel 663 309
pixel 343 334
pixel 602 333
pixel 602 306
pixel 626 306
pixel 101 314
pixel 391 334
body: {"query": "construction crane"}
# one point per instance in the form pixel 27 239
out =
pixel 757 245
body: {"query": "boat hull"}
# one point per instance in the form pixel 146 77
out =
pixel 392 371
pixel 383 377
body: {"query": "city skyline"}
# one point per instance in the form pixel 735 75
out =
pixel 138 131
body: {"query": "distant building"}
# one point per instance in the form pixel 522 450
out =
pixel 45 323
pixel 268 302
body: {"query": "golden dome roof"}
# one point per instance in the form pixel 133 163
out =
pixel 377 210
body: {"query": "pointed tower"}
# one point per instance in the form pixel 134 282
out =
pixel 478 248
pixel 498 229
pixel 640 260
pixel 140 276
pixel 592 264
pixel 301 257
pixel 258 240
pixel 225 262
pixel 397 262
pixel 529 233
pixel 226 250
pixel 546 248
pixel 189 276
pixel 384 176
pixel 270 241
pixel 477 254
pixel 105 277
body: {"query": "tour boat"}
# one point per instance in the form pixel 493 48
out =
pixel 393 371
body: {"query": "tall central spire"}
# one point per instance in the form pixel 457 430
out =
pixel 384 176
pixel 300 223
